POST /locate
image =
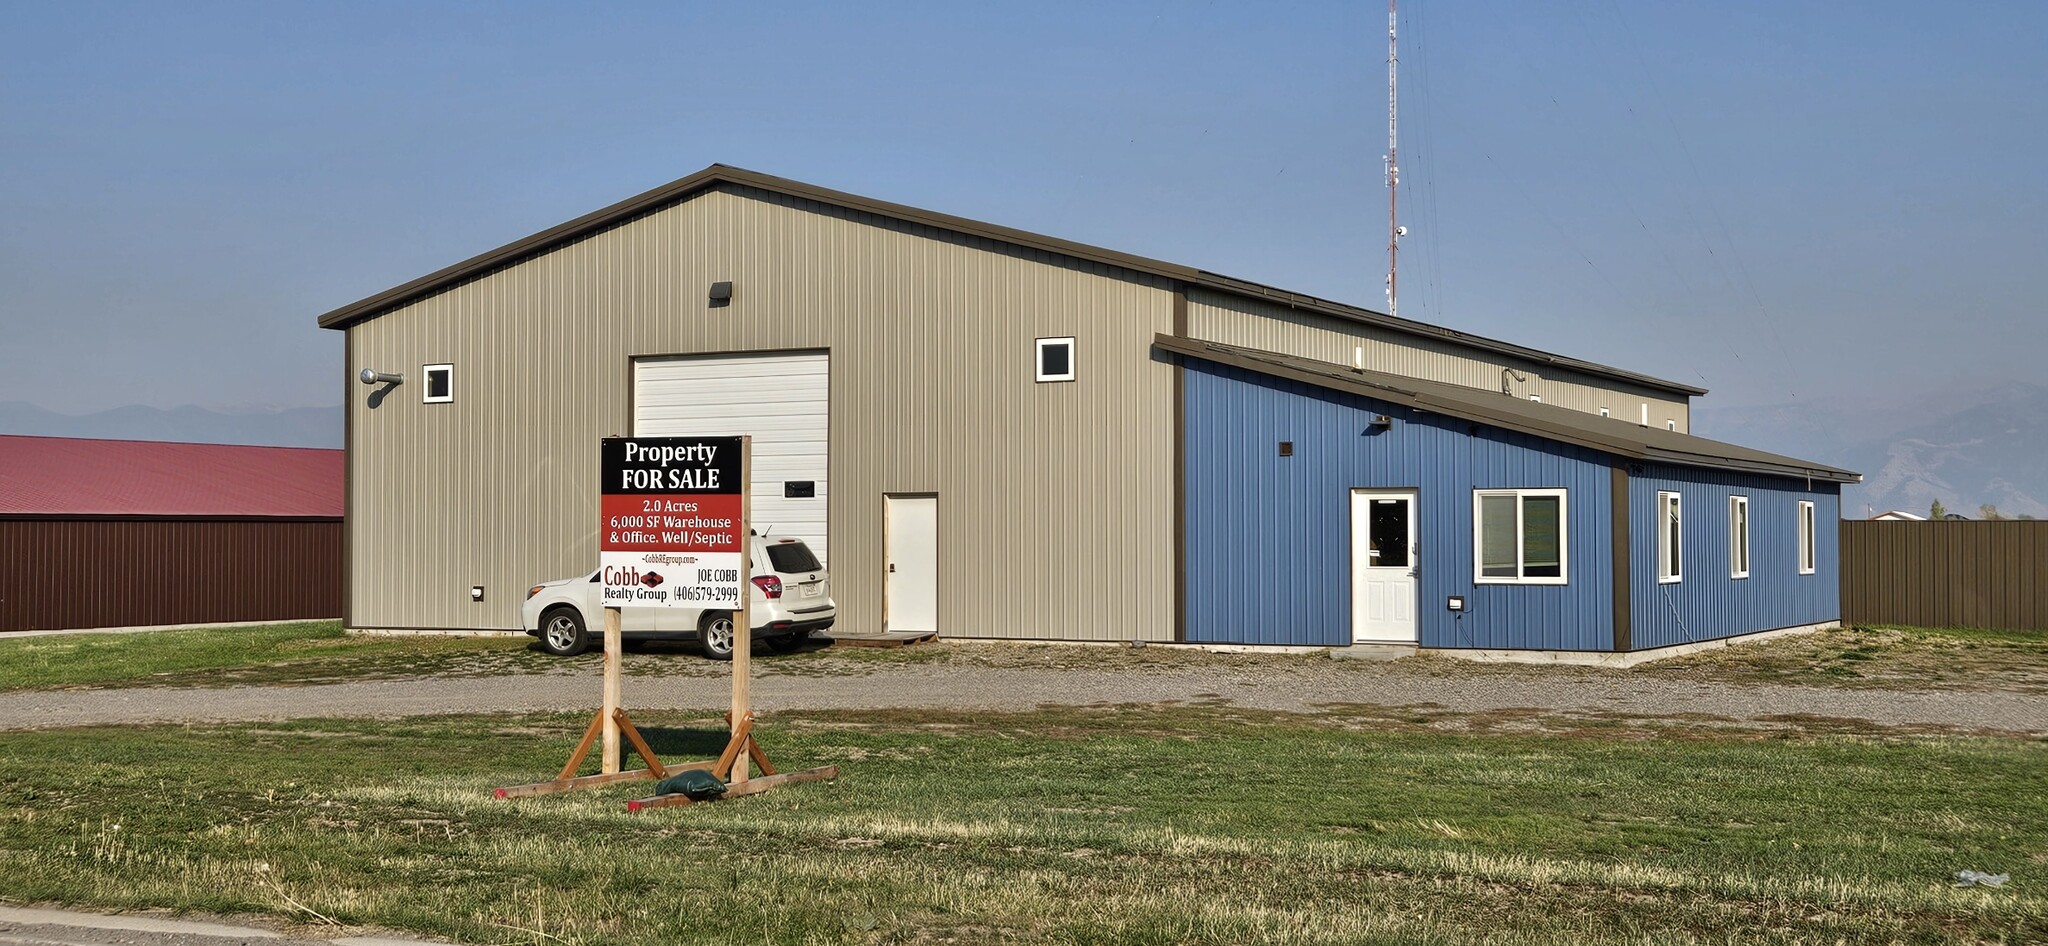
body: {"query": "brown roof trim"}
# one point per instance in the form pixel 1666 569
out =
pixel 710 177
pixel 1549 421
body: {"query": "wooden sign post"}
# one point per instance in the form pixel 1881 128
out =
pixel 743 625
pixel 614 657
pixel 674 534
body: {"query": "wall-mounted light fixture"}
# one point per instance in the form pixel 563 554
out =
pixel 373 376
pixel 1382 420
pixel 476 592
pixel 721 294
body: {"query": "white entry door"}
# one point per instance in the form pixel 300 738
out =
pixel 913 567
pixel 1383 587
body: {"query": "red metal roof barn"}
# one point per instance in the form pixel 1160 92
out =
pixel 124 533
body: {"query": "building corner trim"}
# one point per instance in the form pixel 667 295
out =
pixel 348 460
pixel 1180 470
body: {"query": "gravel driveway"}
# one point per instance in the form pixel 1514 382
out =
pixel 1302 685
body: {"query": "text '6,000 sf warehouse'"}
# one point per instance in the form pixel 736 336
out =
pixel 993 433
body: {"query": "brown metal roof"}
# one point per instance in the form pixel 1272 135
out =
pixel 720 174
pixel 1549 421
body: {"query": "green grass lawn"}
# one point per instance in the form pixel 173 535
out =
pixel 303 652
pixel 1107 825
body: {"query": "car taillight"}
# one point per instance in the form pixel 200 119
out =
pixel 537 589
pixel 769 585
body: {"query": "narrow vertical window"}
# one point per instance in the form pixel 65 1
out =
pixel 440 386
pixel 1670 539
pixel 1738 537
pixel 1806 543
pixel 1670 423
pixel 1056 359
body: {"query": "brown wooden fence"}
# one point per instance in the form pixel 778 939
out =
pixel 1946 574
pixel 130 572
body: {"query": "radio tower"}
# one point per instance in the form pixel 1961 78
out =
pixel 1393 165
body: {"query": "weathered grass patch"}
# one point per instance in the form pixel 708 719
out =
pixel 300 652
pixel 1879 657
pixel 1114 825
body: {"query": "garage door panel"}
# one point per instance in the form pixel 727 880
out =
pixel 781 399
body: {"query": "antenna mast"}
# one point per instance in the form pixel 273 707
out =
pixel 1393 163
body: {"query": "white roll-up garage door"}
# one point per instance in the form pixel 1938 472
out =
pixel 782 399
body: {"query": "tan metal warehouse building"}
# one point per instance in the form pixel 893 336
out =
pixel 909 341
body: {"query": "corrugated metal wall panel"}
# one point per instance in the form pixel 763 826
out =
pixel 1049 494
pixel 1946 573
pixel 1268 537
pixel 1234 320
pixel 63 573
pixel 1707 603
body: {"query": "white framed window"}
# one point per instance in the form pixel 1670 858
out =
pixel 1604 412
pixel 1518 536
pixel 1738 537
pixel 1806 543
pixel 1056 359
pixel 1670 539
pixel 1670 423
pixel 439 384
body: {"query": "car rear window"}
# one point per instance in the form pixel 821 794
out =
pixel 792 557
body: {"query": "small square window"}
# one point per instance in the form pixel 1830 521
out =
pixel 1605 413
pixel 1056 359
pixel 440 384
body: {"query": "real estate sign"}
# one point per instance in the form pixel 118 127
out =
pixel 671 533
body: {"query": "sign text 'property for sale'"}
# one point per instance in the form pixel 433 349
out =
pixel 671 533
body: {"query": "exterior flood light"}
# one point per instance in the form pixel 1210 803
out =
pixel 372 376
pixel 721 294
pixel 476 592
pixel 1382 420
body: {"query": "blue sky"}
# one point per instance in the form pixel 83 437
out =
pixel 1775 200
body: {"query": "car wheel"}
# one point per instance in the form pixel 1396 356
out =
pixel 562 633
pixel 715 633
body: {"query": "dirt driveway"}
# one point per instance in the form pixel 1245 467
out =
pixel 957 679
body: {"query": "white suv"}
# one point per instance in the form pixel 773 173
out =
pixel 792 596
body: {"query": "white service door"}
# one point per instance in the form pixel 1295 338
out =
pixel 1383 586
pixel 913 567
pixel 783 399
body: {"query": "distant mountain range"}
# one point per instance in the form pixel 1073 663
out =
pixel 296 427
pixel 1966 448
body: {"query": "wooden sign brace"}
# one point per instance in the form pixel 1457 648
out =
pixel 741 751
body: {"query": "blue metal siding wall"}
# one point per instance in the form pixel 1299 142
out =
pixel 1269 537
pixel 1708 604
